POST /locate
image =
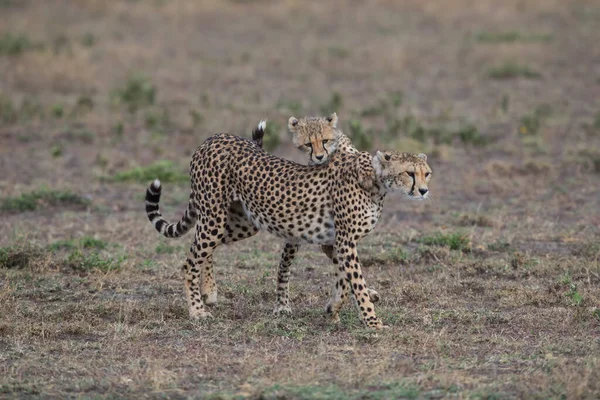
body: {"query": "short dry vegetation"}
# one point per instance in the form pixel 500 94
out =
pixel 491 291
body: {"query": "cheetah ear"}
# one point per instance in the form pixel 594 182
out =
pixel 383 157
pixel 379 161
pixel 293 124
pixel 422 156
pixel 333 120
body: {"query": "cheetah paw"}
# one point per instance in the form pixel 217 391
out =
pixel 200 314
pixel 211 298
pixel 334 318
pixel 373 295
pixel 282 309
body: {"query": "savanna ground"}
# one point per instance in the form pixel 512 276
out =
pixel 491 291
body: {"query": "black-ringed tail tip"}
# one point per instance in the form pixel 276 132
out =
pixel 187 221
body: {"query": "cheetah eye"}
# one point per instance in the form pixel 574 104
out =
pixel 309 145
pixel 411 174
pixel 325 141
pixel 427 174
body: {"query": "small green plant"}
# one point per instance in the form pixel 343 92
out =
pixel 396 98
pixel 511 37
pixel 337 51
pixel 41 198
pixel 333 105
pixel 137 93
pixel 271 139
pixel 511 70
pixel 163 248
pixel 158 120
pixel 13 45
pixel 86 242
pixel 56 150
pixel 118 129
pixel 80 261
pixel 164 170
pixel 19 255
pixel 565 279
pixel 532 122
pixel 574 295
pixel 596 313
pixel 455 241
pixel 469 134
pixel 8 112
pixel 504 103
pixel 88 40
pixel 58 111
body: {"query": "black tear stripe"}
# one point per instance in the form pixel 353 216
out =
pixel 412 189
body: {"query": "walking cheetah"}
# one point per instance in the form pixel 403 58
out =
pixel 335 204
pixel 319 138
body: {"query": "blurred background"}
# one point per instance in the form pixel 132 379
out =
pixel 99 97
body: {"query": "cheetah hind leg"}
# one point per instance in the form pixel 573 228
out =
pixel 373 295
pixel 191 276
pixel 237 227
pixel 282 305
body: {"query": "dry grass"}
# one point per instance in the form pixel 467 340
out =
pixel 491 291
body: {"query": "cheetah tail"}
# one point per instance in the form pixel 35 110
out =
pixel 160 223
pixel 259 132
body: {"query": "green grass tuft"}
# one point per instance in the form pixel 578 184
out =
pixel 19 255
pixel 512 37
pixel 137 93
pixel 163 248
pixel 13 45
pixel 164 170
pixel 86 242
pixel 86 262
pixel 43 197
pixel 455 241
pixel 396 390
pixel 511 70
pixel 470 135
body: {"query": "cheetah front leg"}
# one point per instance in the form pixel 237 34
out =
pixel 349 268
pixel 328 250
pixel 283 278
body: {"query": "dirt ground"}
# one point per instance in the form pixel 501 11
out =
pixel 491 291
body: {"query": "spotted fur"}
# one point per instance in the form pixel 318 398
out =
pixel 237 189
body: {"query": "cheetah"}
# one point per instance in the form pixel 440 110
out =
pixel 237 189
pixel 319 138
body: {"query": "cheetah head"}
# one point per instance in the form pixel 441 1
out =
pixel 403 172
pixel 316 136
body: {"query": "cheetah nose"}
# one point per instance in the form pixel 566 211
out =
pixel 319 157
pixel 423 191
